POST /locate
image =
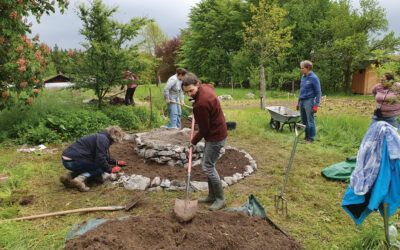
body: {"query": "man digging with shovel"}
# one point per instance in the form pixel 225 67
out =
pixel 212 127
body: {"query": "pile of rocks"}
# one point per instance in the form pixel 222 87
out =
pixel 168 147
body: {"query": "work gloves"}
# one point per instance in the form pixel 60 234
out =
pixel 315 109
pixel 121 163
pixel 115 169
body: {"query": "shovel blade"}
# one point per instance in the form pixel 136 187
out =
pixel 185 210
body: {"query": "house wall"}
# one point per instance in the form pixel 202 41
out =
pixel 357 83
pixel 370 80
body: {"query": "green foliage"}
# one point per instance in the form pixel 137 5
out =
pixel 370 239
pixel 342 131
pixel 107 50
pixel 153 36
pixel 214 35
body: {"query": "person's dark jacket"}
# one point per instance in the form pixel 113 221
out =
pixel 209 116
pixel 92 148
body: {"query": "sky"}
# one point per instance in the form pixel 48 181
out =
pixel 170 15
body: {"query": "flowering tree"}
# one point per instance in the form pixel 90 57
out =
pixel 22 60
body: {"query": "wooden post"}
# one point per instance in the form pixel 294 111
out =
pixel 151 107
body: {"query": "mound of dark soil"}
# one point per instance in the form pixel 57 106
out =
pixel 230 163
pixel 208 230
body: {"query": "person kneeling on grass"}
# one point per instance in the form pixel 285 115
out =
pixel 89 157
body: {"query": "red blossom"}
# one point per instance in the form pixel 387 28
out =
pixel 38 55
pixel 13 15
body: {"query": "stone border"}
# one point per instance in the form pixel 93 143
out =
pixel 139 182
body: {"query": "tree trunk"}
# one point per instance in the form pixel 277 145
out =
pixel 262 87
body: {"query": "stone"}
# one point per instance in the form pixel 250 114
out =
pixel 166 153
pixel 234 179
pixel 199 185
pixel 249 169
pixel 196 163
pixel 222 151
pixel 228 180
pixel 200 146
pixel 155 182
pixel 164 159
pixel 138 182
pixel 182 156
pixel 178 149
pixel 175 188
pixel 155 189
pixel 165 183
pixel 150 153
pixel 224 184
pixel 238 176
pixel 171 163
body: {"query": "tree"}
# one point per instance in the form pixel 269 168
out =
pixel 214 35
pixel 167 52
pixel 267 38
pixel 153 36
pixel 108 48
pixel 23 60
pixel 351 31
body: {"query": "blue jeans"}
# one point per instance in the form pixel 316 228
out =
pixel 175 113
pixel 307 117
pixel 391 120
pixel 210 157
pixel 87 169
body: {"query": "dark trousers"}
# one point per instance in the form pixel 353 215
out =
pixel 88 169
pixel 129 96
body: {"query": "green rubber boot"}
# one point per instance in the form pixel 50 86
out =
pixel 219 202
pixel 211 197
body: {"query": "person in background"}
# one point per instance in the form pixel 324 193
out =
pixel 174 96
pixel 387 96
pixel 212 127
pixel 130 87
pixel 309 99
pixel 89 157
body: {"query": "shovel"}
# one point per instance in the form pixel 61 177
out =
pixel 183 105
pixel 185 209
pixel 127 207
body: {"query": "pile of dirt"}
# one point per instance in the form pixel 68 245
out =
pixel 208 230
pixel 230 163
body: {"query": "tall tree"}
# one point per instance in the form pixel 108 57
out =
pixel 214 35
pixel 153 36
pixel 167 52
pixel 267 38
pixel 350 31
pixel 107 48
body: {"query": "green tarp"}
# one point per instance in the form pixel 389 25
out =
pixel 340 171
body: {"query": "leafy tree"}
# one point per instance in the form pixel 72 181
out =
pixel 267 38
pixel 23 61
pixel 107 48
pixel 167 52
pixel 214 35
pixel 350 44
pixel 153 36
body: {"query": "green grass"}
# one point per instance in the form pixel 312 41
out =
pixel 316 218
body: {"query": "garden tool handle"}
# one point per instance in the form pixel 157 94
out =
pixel 184 105
pixel 191 148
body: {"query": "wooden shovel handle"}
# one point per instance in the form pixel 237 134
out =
pixel 79 210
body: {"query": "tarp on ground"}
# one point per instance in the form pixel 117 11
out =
pixel 340 171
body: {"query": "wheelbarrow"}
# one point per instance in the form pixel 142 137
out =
pixel 281 115
pixel 280 200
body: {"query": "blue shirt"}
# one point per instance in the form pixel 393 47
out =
pixel 310 87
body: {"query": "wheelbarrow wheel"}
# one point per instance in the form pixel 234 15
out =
pixel 274 124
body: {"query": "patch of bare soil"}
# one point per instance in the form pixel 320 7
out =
pixel 230 163
pixel 27 200
pixel 208 230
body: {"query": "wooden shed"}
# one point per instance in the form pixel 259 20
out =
pixel 57 81
pixel 364 79
pixel 56 78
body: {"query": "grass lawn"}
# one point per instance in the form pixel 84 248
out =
pixel 315 219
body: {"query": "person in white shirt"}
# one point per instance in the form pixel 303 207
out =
pixel 173 95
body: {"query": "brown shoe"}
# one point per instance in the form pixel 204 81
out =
pixel 79 183
pixel 66 180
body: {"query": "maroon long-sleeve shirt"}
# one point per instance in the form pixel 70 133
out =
pixel 209 116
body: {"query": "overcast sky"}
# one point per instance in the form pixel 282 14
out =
pixel 171 16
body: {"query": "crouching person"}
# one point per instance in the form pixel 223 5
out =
pixel 89 157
